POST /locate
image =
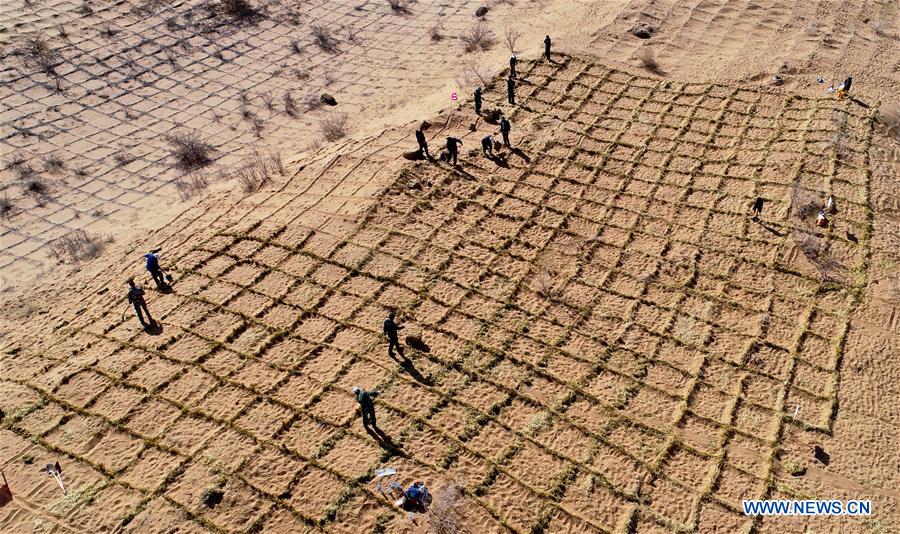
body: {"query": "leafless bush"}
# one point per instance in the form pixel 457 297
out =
pixel 888 120
pixel 334 126
pixel 290 105
pixel 190 185
pixel 543 284
pixel 268 101
pixel 78 246
pixel 63 34
pixel 53 164
pixel 86 9
pixel 296 47
pixel 512 35
pixel 323 38
pixel 37 52
pixel 36 187
pixel 6 206
pixel 477 37
pixel 238 9
pixel 880 28
pixel 445 514
pixel 254 173
pixel 436 32
pixel 328 78
pixel 647 57
pixel 190 152
pixel 804 204
pixel 399 6
pixel 276 163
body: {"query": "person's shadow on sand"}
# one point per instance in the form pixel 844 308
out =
pixel 153 329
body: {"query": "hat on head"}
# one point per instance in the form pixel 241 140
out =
pixel 355 390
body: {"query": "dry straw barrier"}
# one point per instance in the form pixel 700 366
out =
pixel 605 323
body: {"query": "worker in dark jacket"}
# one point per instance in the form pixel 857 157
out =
pixel 513 60
pixel 366 399
pixel 136 299
pixel 504 130
pixel 547 43
pixel 478 100
pixel 391 330
pixel 423 144
pixel 511 90
pixel 453 145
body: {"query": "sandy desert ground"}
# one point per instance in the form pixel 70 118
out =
pixel 612 344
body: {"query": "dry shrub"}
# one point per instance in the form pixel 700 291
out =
pixel 296 46
pixel 257 124
pixel 888 120
pixel 256 172
pixel 190 152
pixel 37 52
pixel 323 38
pixel 445 515
pixel 435 32
pixel 290 105
pixel 647 57
pixel 190 185
pixel 477 37
pixel 399 6
pixel 6 207
pixel 804 204
pixel 78 246
pixel 512 35
pixel 238 9
pixel 334 126
pixel 53 164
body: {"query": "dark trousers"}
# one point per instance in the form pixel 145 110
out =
pixel 158 278
pixel 138 306
pixel 506 138
pixel 451 157
pixel 394 342
pixel 511 96
pixel 478 106
pixel 368 415
pixel 547 52
pixel 423 148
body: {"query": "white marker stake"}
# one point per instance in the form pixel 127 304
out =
pixel 796 411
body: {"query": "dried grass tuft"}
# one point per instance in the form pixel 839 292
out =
pixel 190 152
pixel 334 126
pixel 445 515
pixel 323 38
pixel 477 37
pixel 78 246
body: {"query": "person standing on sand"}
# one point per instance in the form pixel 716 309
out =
pixel 423 144
pixel 512 65
pixel 547 43
pixel 757 208
pixel 365 399
pixel 391 330
pixel 136 299
pixel 504 130
pixel 478 100
pixel 155 270
pixel 453 145
pixel 511 90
